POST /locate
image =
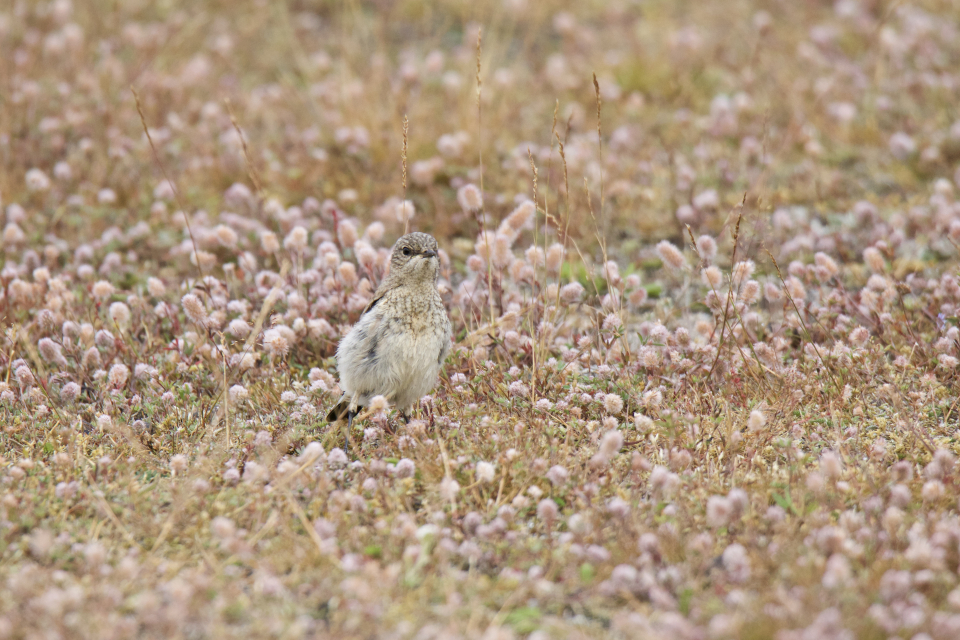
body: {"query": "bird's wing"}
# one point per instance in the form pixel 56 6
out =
pixel 445 348
pixel 381 291
pixel 370 305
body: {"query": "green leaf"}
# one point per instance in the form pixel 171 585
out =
pixel 785 502
pixel 587 572
pixel 524 619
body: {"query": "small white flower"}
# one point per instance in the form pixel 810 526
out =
pixel 486 472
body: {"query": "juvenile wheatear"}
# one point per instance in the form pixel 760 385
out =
pixel 398 345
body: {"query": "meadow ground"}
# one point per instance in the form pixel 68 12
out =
pixel 701 262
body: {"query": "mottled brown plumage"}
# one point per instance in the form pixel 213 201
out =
pixel 398 345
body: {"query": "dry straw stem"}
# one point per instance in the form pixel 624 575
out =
pixel 729 304
pixel 566 197
pixel 304 522
pixel 403 164
pixel 596 88
pixel 251 167
pixel 830 368
pixel 480 106
pixel 166 176
pixel 480 214
pixel 108 511
pixel 729 299
pixel 222 395
pixel 760 365
pixel 531 320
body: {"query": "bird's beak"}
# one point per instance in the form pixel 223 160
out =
pixel 430 254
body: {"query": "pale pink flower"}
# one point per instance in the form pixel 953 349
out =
pixel 707 200
pixel 296 240
pixel 346 233
pixel 486 472
pixel 470 198
pixel 102 289
pixel 37 181
pixel 772 292
pixel 557 475
pixel 547 511
pixel 51 352
pixel 637 297
pixel 226 236
pixel 837 572
pixel 719 512
pixel 275 343
pixel 612 403
pixel 156 288
pixel 449 489
pixel 742 271
pixel 902 146
pixel 707 247
pixel 554 258
pixel 118 375
pixel 859 336
pixel 519 219
pixel 70 392
pixel 194 309
pixel 405 211
pixel 239 328
pixel 223 528
pixel 178 463
pixel 663 482
pixel 238 393
pixel 610 444
pixel 827 263
pixel 13 234
pixel 269 242
pixel 62 171
pixel 874 259
pixel 831 465
pixel 120 314
pixel 571 293
pixel 712 277
pixel 737 563
pixel 671 256
pixel 405 468
pixel 750 293
pixel 932 490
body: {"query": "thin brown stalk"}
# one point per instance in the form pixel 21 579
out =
pixel 403 163
pixel 173 185
pixel 251 167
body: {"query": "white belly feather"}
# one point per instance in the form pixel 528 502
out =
pixel 382 356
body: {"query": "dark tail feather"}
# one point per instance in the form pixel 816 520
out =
pixel 339 411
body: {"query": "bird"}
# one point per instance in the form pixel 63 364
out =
pixel 403 336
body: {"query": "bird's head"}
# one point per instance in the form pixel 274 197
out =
pixel 415 259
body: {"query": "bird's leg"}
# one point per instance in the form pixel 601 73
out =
pixel 350 416
pixel 352 410
pixel 406 417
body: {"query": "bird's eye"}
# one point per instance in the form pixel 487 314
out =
pixel 406 251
